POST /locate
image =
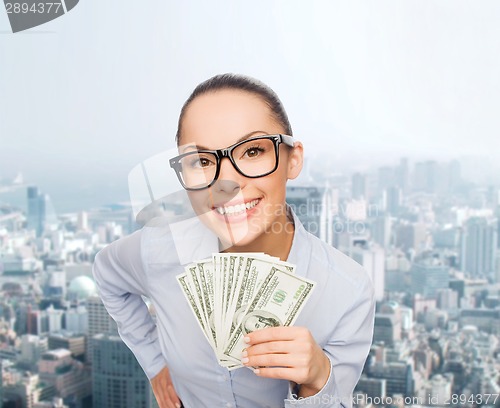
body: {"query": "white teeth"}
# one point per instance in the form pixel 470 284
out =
pixel 236 209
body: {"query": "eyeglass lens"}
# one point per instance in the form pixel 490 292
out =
pixel 253 158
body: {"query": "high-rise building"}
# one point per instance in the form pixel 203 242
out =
pixel 373 387
pixel 37 210
pixel 77 319
pixel 429 177
pixel 32 347
pixel 447 299
pixel 428 276
pixel 306 202
pixel 380 229
pixel 479 243
pixel 99 322
pixel 373 260
pixel 69 377
pixel 386 178
pixel 387 329
pixel 403 175
pixel 38 322
pixel 329 208
pixel 54 317
pixel 26 391
pixel 454 175
pixel 398 376
pixel 359 189
pixel 118 379
pixel 411 237
pixel 56 285
pixel 393 200
pixel 75 343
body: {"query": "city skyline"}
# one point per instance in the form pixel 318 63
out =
pixel 68 196
pixel 427 239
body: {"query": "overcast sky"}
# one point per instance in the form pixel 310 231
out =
pixel 91 94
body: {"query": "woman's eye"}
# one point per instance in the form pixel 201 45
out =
pixel 201 162
pixel 253 152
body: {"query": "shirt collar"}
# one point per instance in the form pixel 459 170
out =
pixel 300 252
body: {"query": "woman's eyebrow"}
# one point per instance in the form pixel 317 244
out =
pixel 239 140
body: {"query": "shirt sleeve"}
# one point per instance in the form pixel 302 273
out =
pixel 120 277
pixel 347 351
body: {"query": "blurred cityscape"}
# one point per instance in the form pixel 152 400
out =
pixel 427 236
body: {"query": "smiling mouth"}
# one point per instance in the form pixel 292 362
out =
pixel 232 210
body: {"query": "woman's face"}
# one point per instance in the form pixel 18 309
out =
pixel 218 120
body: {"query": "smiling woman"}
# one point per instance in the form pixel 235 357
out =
pixel 235 154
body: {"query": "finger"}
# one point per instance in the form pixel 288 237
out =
pixel 283 373
pixel 271 347
pixel 163 397
pixel 164 400
pixel 270 360
pixel 167 402
pixel 173 396
pixel 281 333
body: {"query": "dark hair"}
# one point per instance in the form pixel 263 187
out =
pixel 242 83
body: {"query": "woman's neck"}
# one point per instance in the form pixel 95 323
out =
pixel 272 243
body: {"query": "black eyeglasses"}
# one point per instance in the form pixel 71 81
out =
pixel 253 158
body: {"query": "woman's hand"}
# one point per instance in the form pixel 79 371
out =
pixel 164 390
pixel 288 353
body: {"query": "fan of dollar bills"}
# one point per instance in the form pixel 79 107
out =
pixel 232 294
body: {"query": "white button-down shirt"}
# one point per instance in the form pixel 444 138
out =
pixel 339 315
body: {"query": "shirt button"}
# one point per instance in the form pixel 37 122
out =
pixel 229 405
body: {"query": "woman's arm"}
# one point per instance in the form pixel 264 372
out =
pixel 327 377
pixel 121 280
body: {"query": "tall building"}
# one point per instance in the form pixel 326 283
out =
pixel 329 208
pixel 393 200
pixel 54 317
pixel 380 229
pixel 387 326
pixel 429 177
pixel 75 343
pixel 359 189
pixel 427 277
pixel 99 322
pixel 37 210
pixel 399 377
pixel 386 178
pixel 411 236
pixel 69 377
pixel 306 202
pixel 447 299
pixel 386 329
pixel 77 319
pixel 479 243
pixel 372 258
pixel 56 285
pixel 118 379
pixel 32 348
pixel 403 175
pixel 373 387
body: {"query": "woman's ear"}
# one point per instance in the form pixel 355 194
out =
pixel 295 160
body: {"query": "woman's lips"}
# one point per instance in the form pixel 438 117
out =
pixel 236 212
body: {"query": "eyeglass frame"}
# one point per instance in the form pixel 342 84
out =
pixel 227 152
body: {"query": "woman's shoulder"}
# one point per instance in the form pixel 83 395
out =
pixel 326 257
pixel 128 244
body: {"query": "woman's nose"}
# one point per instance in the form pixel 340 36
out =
pixel 229 179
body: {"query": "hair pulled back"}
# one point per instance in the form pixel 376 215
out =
pixel 241 83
